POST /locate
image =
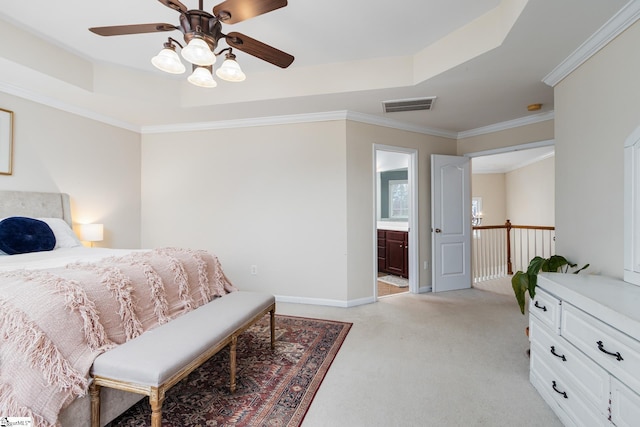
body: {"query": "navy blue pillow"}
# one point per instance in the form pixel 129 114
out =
pixel 19 235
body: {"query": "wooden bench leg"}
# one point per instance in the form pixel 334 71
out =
pixel 155 400
pixel 94 392
pixel 232 360
pixel 273 327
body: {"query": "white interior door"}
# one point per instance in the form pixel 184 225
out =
pixel 450 222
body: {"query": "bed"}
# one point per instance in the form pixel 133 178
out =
pixel 62 307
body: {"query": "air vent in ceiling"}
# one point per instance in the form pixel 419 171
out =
pixel 414 104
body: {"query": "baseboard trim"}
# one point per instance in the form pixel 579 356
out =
pixel 326 302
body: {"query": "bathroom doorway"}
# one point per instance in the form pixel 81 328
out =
pixel 396 201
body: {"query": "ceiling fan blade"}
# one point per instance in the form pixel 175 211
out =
pixel 174 4
pixel 120 30
pixel 259 50
pixel 232 11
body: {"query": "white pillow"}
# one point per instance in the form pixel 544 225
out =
pixel 65 237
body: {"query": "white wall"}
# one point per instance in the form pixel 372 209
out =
pixel 491 187
pixel 530 194
pixel 295 200
pixel 525 196
pixel 361 207
pixel 270 196
pixel 96 164
pixel 596 109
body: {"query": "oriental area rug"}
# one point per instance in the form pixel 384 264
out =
pixel 274 387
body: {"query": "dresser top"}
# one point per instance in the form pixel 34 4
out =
pixel 613 301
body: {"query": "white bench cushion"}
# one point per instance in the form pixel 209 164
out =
pixel 155 356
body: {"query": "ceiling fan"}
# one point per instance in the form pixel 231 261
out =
pixel 201 32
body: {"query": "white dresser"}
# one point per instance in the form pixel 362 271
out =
pixel 585 348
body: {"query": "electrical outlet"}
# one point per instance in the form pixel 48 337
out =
pixel 254 270
pixel 426 265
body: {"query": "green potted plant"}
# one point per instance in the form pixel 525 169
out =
pixel 523 282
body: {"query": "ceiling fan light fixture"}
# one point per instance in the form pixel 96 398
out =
pixel 230 70
pixel 202 77
pixel 197 52
pixel 168 61
pixel 201 32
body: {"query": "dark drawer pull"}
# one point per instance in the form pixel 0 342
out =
pixel 563 393
pixel 561 356
pixel 541 307
pixel 616 354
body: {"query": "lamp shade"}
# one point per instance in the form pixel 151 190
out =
pixel 202 77
pixel 198 52
pixel 230 71
pixel 91 232
pixel 169 61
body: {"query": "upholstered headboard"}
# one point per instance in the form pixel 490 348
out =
pixel 35 205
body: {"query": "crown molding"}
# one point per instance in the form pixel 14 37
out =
pixel 63 106
pixel 297 118
pixel 268 121
pixel 622 20
pixel 510 148
pixel 242 123
pixel 390 123
pixel 510 124
pixel 344 115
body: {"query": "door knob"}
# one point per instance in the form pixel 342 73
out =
pixel 438 230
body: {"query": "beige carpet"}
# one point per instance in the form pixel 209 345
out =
pixel 448 359
pixel 500 285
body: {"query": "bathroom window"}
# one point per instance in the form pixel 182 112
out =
pixel 399 199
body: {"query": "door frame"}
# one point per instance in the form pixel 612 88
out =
pixel 508 149
pixel 412 178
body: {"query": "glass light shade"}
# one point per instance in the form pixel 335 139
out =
pixel 230 71
pixel 91 232
pixel 198 52
pixel 202 77
pixel 168 61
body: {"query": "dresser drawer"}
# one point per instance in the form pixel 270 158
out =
pixel 576 368
pixel 546 308
pixel 613 350
pixel 557 391
pixel 625 405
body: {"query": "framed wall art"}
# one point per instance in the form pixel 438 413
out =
pixel 6 141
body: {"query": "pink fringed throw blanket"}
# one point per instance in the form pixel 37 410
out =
pixel 55 322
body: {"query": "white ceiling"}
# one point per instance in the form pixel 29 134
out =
pixel 512 160
pixel 350 55
pixel 391 160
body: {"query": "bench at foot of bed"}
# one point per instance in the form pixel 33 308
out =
pixel 155 361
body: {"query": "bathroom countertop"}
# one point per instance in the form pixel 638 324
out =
pixel 393 225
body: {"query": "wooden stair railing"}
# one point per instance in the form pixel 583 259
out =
pixel 498 253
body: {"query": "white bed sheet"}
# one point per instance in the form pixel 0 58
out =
pixel 58 257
